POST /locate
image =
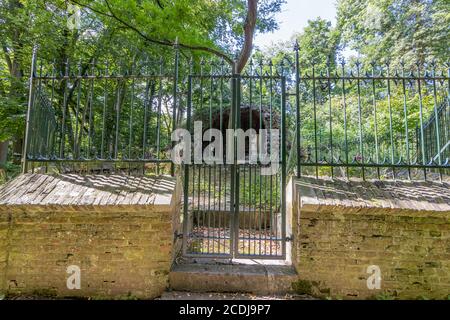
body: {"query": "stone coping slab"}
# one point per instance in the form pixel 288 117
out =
pixel 93 191
pixel 325 194
pixel 258 279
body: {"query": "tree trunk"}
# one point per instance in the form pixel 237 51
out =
pixel 3 153
pixel 17 149
pixel 249 33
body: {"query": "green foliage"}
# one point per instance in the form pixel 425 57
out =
pixel 8 172
pixel 256 190
pixel 214 24
pixel 377 30
pixel 119 32
pixel 114 31
pixel 395 30
pixel 318 44
pixel 417 34
pixel 12 112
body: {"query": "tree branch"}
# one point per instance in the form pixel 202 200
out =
pixel 163 42
pixel 159 4
pixel 249 32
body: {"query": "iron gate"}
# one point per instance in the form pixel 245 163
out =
pixel 236 209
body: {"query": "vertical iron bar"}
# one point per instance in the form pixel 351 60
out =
pixel 223 168
pixel 214 168
pixel 344 101
pixel 377 155
pixel 118 103
pixel 91 101
pixel 209 166
pixel 86 107
pixel 30 106
pixel 37 142
pixel 186 170
pixel 391 135
pixel 436 119
pixel 405 111
pixel 261 212
pixel 250 125
pixel 271 180
pixel 105 99
pixel 283 165
pixel 146 102
pixel 130 123
pixel 447 112
pixel 422 139
pixel 77 111
pixel 175 98
pixel 158 117
pixel 297 107
pixel 233 186
pixel 361 146
pixel 316 155
pixel 237 124
pixel 330 119
pixel 65 104
pixel 52 151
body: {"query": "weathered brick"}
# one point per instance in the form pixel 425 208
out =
pixel 334 245
pixel 120 249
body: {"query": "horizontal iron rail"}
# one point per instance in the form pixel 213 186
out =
pixel 112 113
pixel 194 236
pixel 102 77
pixel 368 165
pixel 208 255
pixel 262 257
pixel 393 78
pixel 99 160
pixel 228 76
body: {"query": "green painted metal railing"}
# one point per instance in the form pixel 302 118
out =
pixel 342 119
pixel 95 116
pixel 370 121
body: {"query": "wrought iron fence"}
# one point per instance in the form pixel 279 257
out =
pixel 436 146
pixel 369 121
pixel 342 119
pixel 84 117
pixel 234 209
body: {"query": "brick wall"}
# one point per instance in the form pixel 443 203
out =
pixel 123 250
pixel 335 243
pixel 119 252
pixel 4 230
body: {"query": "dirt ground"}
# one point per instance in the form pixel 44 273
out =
pixel 177 295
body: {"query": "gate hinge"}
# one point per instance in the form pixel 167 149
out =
pixel 289 238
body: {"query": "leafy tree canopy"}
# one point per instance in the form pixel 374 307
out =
pixel 116 28
pixel 395 30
